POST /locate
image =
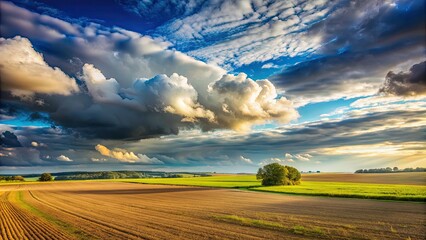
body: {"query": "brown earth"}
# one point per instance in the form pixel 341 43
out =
pixel 19 223
pixel 411 178
pixel 112 210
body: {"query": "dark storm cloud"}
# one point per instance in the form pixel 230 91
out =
pixel 409 83
pixel 79 115
pixel 362 41
pixel 9 139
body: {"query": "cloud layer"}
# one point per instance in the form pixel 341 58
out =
pixel 363 138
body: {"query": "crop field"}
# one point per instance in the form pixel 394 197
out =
pixel 118 210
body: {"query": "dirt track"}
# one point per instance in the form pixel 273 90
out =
pixel 135 211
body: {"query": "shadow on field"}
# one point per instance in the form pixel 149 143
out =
pixel 140 191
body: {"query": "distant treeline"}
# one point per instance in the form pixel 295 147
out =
pixel 121 175
pixel 390 170
pixel 12 178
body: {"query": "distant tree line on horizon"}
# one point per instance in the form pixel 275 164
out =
pixel 121 175
pixel 12 178
pixel 390 170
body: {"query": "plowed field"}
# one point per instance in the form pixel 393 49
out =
pixel 113 210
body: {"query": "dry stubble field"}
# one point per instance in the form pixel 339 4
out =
pixel 113 210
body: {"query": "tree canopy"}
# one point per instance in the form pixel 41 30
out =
pixel 45 177
pixel 276 174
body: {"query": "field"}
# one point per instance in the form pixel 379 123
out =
pixel 117 210
pixel 317 185
pixel 353 190
pixel 217 207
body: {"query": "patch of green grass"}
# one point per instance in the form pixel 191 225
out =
pixel 353 190
pixel 298 229
pixel 314 231
pixel 225 181
pixel 76 232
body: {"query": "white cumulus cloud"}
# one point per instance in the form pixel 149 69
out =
pixel 64 158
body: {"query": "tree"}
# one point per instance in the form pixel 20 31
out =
pixel 395 169
pixel 275 174
pixel 293 175
pixel 45 177
pixel 18 178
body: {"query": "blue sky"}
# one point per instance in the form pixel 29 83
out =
pixel 217 85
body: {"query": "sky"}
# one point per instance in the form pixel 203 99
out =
pixel 212 86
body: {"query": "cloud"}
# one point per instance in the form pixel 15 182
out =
pixel 64 158
pixel 360 43
pixel 270 65
pixel 171 94
pixel 9 139
pixel 24 71
pixel 288 157
pixel 100 88
pixel 379 149
pixel 123 155
pixel 246 160
pixel 25 157
pixel 409 83
pixel 98 159
pixel 236 33
pixel 150 10
pixel 303 157
pixel 244 102
pixel 37 144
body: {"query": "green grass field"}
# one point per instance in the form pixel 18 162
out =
pixel 313 188
pixel 353 190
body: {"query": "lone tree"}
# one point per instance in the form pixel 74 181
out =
pixel 276 174
pixel 45 177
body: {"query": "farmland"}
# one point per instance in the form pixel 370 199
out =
pixel 117 210
pixel 317 185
